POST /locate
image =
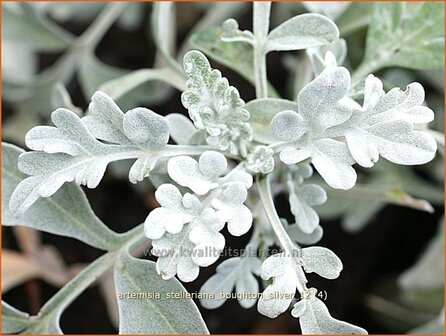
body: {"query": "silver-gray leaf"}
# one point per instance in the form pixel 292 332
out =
pixel 153 316
pixel 67 213
pixel 317 320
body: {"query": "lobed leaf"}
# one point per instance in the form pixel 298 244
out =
pixel 234 273
pixel 175 211
pixel 67 213
pixel 316 319
pixel 320 102
pixel 279 267
pixel 186 230
pixel 384 126
pixel 301 201
pixel 105 119
pixel 333 161
pixel 230 207
pixel 71 152
pixel 201 176
pixel 322 261
pixel 174 256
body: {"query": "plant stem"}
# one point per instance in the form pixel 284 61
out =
pixel 261 15
pixel 260 72
pixel 96 31
pixel 67 294
pixel 163 20
pixel 290 249
pixel 268 204
pixel 174 150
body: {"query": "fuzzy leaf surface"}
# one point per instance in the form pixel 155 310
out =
pixel 67 213
pixel 153 316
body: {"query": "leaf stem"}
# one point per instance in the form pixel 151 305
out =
pixel 268 204
pixel 290 249
pixel 260 73
pixel 174 150
pixel 96 31
pixel 261 16
pixel 163 15
pixel 67 294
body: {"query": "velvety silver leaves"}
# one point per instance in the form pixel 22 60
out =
pixel 288 126
pixel 105 119
pixel 319 101
pixel 199 243
pixel 232 33
pixel 284 271
pixel 201 176
pixel 333 162
pixel 322 105
pixel 301 32
pixel 71 151
pixel 66 213
pixel 281 268
pixel 215 106
pixel 206 236
pixel 385 126
pixel 185 229
pixel 175 211
pixel 73 154
pixel 159 316
pixel 140 127
pixel 331 158
pixel 174 257
pixel 302 199
pixel 146 128
pixel 238 273
pixel 69 136
pixel 322 261
pixel 314 318
pixel 230 207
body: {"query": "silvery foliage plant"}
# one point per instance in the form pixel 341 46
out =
pixel 229 160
